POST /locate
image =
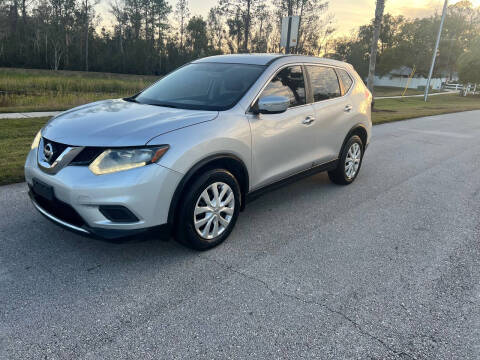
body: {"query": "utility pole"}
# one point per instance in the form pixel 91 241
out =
pixel 376 34
pixel 444 13
pixel 247 26
pixel 86 35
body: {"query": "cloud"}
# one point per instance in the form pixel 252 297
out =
pixel 416 9
pixel 348 14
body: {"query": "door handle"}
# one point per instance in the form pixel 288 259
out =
pixel 308 120
pixel 348 108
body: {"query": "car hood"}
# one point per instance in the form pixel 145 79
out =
pixel 119 123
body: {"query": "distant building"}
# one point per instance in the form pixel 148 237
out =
pixel 399 78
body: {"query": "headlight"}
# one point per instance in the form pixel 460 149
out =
pixel 113 160
pixel 36 141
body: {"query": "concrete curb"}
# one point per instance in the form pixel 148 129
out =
pixel 420 95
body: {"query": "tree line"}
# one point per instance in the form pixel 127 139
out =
pixel 410 43
pixel 149 36
pixel 154 37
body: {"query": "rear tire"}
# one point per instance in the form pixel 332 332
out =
pixel 349 163
pixel 208 210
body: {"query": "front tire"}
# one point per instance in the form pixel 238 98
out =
pixel 209 210
pixel 349 163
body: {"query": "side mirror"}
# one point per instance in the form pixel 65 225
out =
pixel 272 104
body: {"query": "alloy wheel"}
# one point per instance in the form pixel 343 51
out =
pixel 352 160
pixel 214 210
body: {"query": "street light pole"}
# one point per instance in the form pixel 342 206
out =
pixel 444 13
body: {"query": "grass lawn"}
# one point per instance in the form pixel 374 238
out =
pixel 47 90
pixel 399 109
pixel 23 90
pixel 16 135
pixel 395 91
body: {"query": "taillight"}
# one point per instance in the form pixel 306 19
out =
pixel 368 94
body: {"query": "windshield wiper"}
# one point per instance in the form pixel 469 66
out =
pixel 131 99
pixel 165 105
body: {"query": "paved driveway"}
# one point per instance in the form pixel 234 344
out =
pixel 385 268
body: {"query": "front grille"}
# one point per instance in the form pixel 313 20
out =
pixel 57 148
pixel 59 209
pixel 86 156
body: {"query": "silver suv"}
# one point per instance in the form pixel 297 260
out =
pixel 188 152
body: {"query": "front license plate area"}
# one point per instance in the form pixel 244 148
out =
pixel 43 190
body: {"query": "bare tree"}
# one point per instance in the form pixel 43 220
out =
pixel 24 12
pixel 376 34
pixel 183 13
pixel 241 17
pixel 248 18
pixel 87 9
pixel 315 28
pixel 215 27
pixel 262 33
pixel 121 18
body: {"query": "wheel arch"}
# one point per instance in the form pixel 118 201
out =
pixel 361 131
pixel 225 161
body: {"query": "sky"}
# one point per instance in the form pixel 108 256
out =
pixel 348 14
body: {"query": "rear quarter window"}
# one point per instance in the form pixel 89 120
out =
pixel 346 79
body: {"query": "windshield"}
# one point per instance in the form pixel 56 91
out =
pixel 202 86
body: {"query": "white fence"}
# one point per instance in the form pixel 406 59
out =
pixel 455 87
pixel 401 82
pixel 470 89
pixel 436 84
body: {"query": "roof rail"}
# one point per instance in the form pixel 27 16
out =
pixel 270 62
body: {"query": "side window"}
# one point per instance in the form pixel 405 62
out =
pixel 346 79
pixel 289 83
pixel 324 82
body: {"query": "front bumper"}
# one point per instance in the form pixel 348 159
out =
pixel 146 192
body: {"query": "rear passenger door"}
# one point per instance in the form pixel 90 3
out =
pixel 331 112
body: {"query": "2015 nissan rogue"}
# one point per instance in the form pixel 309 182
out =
pixel 185 154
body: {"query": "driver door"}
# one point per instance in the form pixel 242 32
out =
pixel 283 144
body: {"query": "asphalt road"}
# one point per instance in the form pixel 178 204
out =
pixel 387 268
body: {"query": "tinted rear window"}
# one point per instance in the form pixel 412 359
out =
pixel 324 82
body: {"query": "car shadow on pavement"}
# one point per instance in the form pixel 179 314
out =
pixel 41 242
